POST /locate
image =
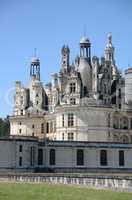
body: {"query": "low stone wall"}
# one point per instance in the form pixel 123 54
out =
pixel 120 183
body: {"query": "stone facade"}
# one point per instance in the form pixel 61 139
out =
pixel 24 153
pixel 18 153
pixel 81 120
pixel 89 100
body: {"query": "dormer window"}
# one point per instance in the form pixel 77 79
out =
pixel 73 101
pixel 72 87
pixel 21 112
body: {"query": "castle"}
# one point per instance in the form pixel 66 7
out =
pixel 81 120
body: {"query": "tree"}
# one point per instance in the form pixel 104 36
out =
pixel 4 126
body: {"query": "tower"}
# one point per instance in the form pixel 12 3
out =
pixel 35 68
pixel 85 67
pixel 109 50
pixel 65 58
pixel 128 86
pixel 85 49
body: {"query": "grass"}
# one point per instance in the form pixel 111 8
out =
pixel 17 191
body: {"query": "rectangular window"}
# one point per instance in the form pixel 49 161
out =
pixel 131 138
pixel 80 157
pixel 21 100
pixel 119 93
pixel 42 128
pixel 121 158
pixel 21 112
pixel 72 87
pixel 20 161
pixel 70 136
pixel 40 156
pixel 63 123
pixel 20 130
pixel 119 106
pixel 63 136
pixel 47 127
pixel 73 101
pixel 20 148
pixel 54 126
pixel 51 127
pixel 131 123
pixel 70 119
pixel 103 157
pixel 52 157
pixel 32 154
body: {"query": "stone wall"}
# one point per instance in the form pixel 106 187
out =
pixel 113 182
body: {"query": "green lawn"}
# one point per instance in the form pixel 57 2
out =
pixel 17 191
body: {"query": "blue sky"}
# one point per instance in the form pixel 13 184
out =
pixel 47 25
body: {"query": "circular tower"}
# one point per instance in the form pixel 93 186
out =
pixel 128 85
pixel 35 68
pixel 85 67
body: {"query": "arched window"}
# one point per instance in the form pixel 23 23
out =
pixel 52 157
pixel 80 157
pixel 124 139
pixel 103 157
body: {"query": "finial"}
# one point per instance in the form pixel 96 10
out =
pixel 110 37
pixel 84 31
pixel 128 64
pixel 35 52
